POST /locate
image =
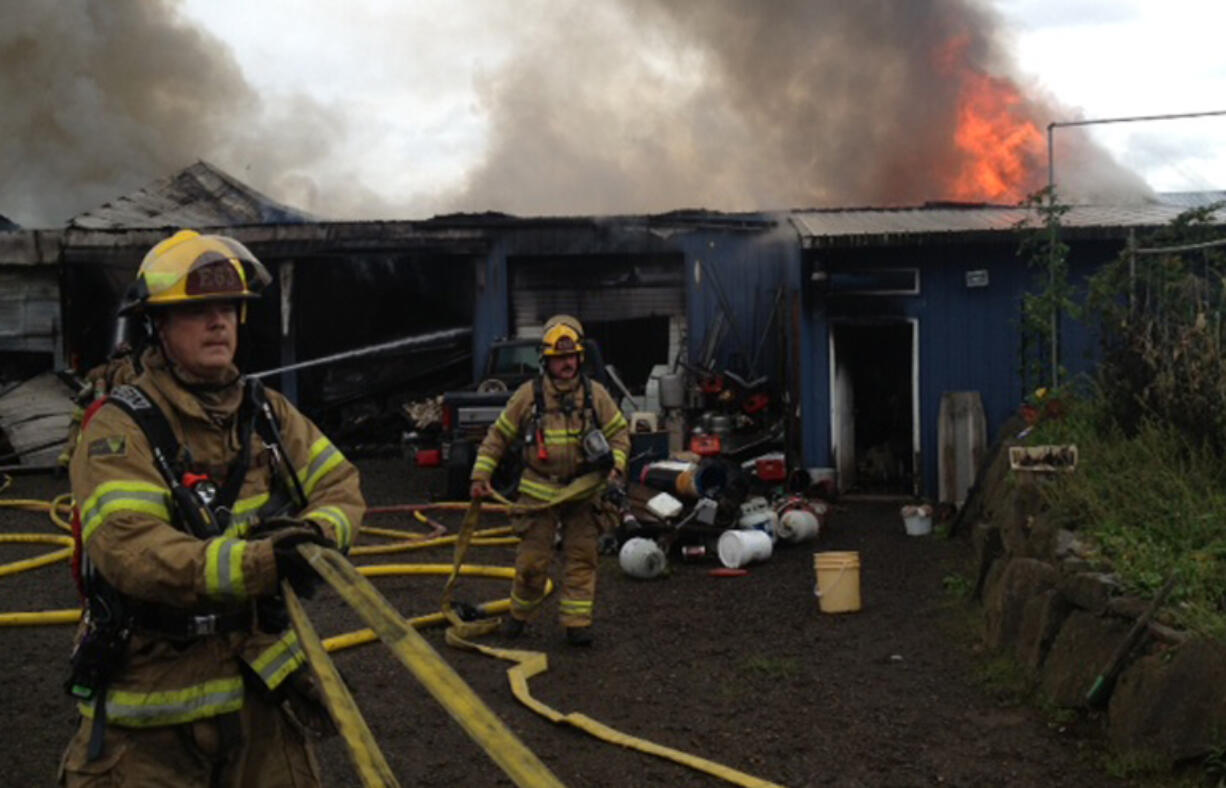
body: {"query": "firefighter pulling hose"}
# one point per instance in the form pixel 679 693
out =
pixel 193 488
pixel 570 427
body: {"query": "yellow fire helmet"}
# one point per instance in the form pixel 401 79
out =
pixel 563 336
pixel 189 267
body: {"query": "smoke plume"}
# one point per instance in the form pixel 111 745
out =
pixel 625 107
pixel 102 98
pixel 786 103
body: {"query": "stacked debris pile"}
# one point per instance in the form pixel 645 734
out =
pixel 692 507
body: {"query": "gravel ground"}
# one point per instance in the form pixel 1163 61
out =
pixel 745 671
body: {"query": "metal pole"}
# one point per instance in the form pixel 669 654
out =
pixel 1051 258
pixel 1051 185
pixel 419 340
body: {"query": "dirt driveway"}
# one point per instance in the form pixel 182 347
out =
pixel 744 671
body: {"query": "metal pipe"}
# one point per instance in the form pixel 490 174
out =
pixel 416 341
pixel 1183 248
pixel 1051 189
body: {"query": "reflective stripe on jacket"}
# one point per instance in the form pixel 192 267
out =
pixel 562 433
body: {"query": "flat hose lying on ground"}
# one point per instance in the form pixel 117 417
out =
pixel 532 663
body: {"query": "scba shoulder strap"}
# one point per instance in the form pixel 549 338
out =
pixel 203 519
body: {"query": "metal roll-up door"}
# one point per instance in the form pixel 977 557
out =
pixel 633 305
pixel 596 288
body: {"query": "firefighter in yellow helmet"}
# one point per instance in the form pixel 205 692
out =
pixel 193 487
pixel 570 426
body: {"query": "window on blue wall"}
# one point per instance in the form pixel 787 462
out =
pixel 875 281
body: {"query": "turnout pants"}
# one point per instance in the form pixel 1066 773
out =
pixel 259 745
pixel 581 525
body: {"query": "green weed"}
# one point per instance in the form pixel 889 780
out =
pixel 957 586
pixel 1004 677
pixel 1153 504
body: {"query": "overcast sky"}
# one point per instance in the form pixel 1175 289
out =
pixel 408 108
pixel 410 73
pixel 1127 58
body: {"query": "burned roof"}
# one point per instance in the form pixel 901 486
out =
pixel 947 221
pixel 199 196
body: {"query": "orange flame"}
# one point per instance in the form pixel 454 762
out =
pixel 1001 147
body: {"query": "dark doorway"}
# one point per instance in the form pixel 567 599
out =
pixel 632 346
pixel 877 360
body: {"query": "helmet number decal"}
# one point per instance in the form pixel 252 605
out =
pixel 214 278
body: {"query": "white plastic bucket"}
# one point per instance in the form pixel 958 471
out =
pixel 741 547
pixel 642 558
pixel 798 525
pixel 917 520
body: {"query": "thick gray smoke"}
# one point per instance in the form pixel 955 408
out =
pixel 731 105
pixel 624 107
pixel 100 98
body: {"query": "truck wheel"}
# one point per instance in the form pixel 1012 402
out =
pixel 459 466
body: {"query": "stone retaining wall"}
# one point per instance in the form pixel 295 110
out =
pixel 1046 603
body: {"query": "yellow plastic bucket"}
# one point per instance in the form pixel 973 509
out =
pixel 838 581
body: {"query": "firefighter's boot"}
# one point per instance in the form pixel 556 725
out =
pixel 579 636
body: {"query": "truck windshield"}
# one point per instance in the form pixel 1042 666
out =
pixel 514 359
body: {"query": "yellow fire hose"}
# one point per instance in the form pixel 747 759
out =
pixel 532 663
pixel 360 742
pixel 440 679
pixel 386 624
pixel 37 561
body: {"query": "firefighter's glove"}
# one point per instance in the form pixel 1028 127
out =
pixel 291 564
pixel 607 543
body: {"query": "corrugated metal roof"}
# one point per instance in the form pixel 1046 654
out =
pixel 199 196
pixel 34 417
pixel 1191 199
pixel 882 224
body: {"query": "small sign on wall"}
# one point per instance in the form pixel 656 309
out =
pixel 977 278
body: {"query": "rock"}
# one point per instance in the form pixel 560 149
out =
pixel 1174 707
pixel 1066 544
pixel 1168 635
pixel 1042 618
pixel 1017 519
pixel 1080 651
pixel 1042 540
pixel 988 547
pixel 1090 590
pixel 1021 579
pixel 1074 565
pixel 1130 607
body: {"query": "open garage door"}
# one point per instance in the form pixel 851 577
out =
pixel 633 305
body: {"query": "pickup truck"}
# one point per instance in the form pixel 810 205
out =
pixel 468 414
